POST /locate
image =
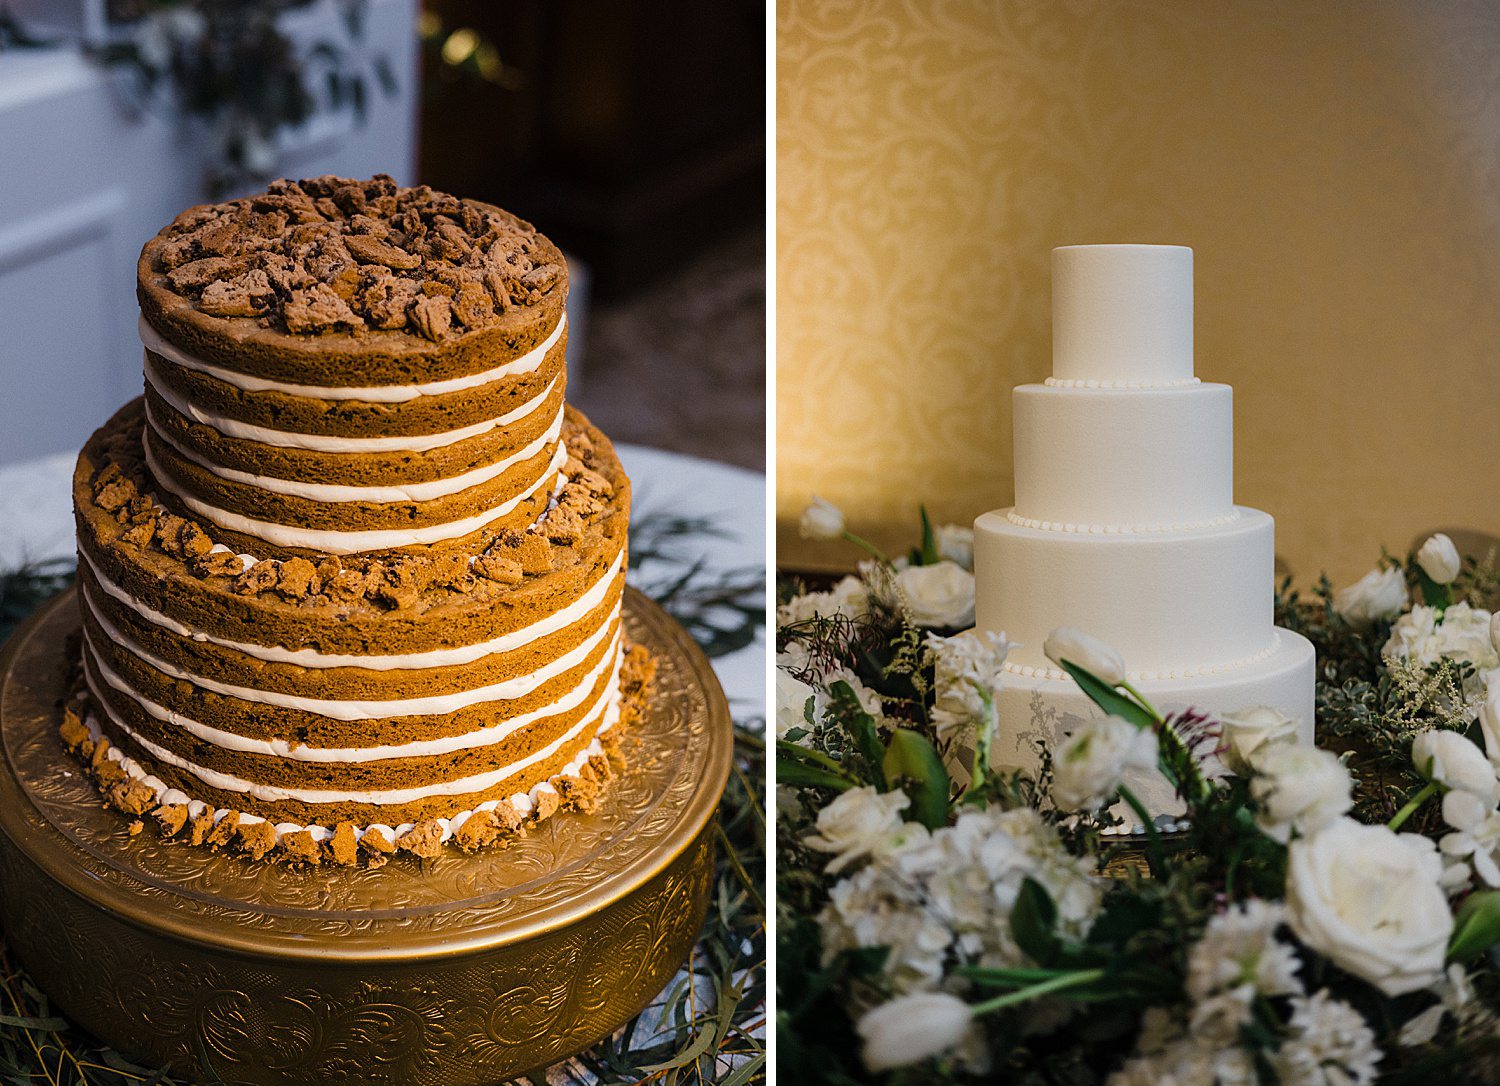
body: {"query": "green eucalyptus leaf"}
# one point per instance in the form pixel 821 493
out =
pixel 1476 926
pixel 910 757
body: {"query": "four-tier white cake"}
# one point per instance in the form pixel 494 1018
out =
pixel 1124 523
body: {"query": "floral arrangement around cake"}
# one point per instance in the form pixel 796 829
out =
pixel 1316 915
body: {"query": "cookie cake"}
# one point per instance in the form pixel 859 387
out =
pixel 351 569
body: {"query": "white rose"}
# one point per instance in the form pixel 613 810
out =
pixel 955 542
pixel 1089 653
pixel 822 520
pixel 1455 763
pixel 1379 594
pixel 937 595
pixel 1298 787
pixel 792 695
pixel 1088 766
pixel 1249 731
pixel 858 823
pixel 1439 559
pixel 911 1028
pixel 1369 900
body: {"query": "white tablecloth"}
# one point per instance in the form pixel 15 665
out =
pixel 36 524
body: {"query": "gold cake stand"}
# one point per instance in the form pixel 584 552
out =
pixel 460 970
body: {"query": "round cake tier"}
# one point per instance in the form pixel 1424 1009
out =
pixel 1036 708
pixel 462 969
pixel 1124 459
pixel 1176 604
pixel 1122 314
pixel 311 282
pixel 372 691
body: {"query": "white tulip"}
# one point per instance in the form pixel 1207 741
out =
pixel 1249 731
pixel 1298 787
pixel 1439 559
pixel 941 594
pixel 955 542
pixel 858 823
pixel 1489 724
pixel 1455 763
pixel 912 1028
pixel 822 520
pixel 1369 900
pixel 1088 767
pixel 1379 594
pixel 1087 652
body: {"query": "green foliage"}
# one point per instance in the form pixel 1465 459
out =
pixel 912 761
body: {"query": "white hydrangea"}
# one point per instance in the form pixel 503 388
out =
pixel 850 598
pixel 1168 1055
pixel 1424 635
pixel 945 899
pixel 959 663
pixel 1331 1045
pixel 1239 953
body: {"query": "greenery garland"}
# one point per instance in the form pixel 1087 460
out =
pixel 934 921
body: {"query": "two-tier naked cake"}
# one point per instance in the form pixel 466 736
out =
pixel 351 571
pixel 1124 523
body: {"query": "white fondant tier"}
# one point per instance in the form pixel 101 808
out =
pixel 1036 709
pixel 1119 458
pixel 1122 314
pixel 1177 603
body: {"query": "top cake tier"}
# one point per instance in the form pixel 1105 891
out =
pixel 1122 316
pixel 343 367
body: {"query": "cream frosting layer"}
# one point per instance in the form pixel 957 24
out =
pixel 333 494
pixel 331 541
pixel 527 363
pixel 518 686
pixel 291 439
pixel 299 752
pixel 522 802
pixel 601 721
pixel 516 639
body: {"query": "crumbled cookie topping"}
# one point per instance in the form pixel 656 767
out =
pixel 392 581
pixel 331 254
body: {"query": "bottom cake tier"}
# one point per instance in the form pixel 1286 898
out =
pixel 314 708
pixel 1039 707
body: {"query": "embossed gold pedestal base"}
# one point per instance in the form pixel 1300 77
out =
pixel 463 970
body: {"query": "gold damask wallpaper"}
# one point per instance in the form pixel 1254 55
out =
pixel 1335 165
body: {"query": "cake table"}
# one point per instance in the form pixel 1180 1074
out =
pixel 467 969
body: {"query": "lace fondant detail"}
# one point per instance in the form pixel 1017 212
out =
pixel 1065 382
pixel 1031 671
pixel 1119 529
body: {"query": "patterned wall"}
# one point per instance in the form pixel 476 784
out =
pixel 1335 165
